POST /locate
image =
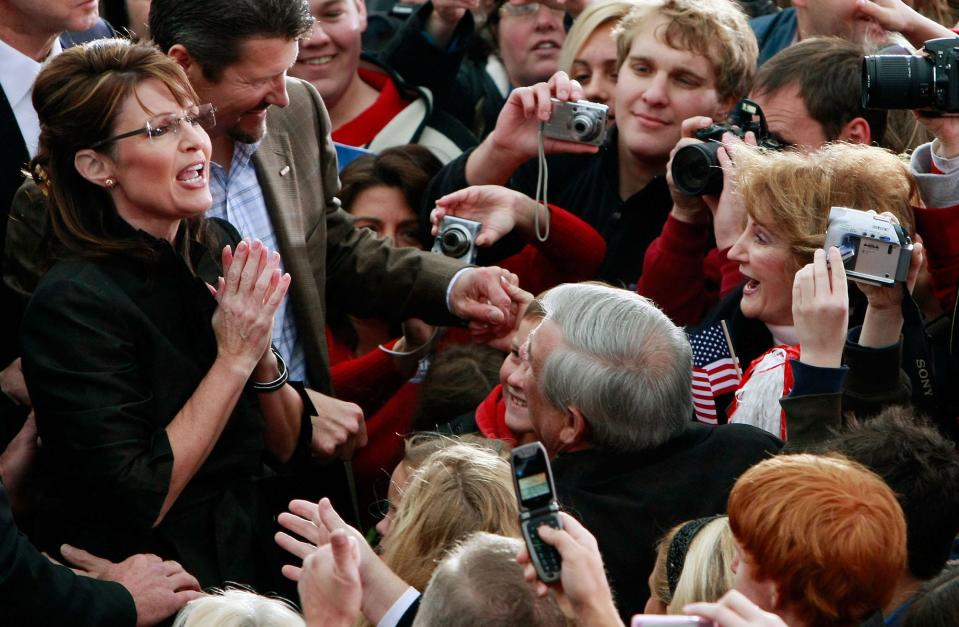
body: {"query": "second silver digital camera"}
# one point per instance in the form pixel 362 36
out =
pixel 456 238
pixel 874 249
pixel 581 121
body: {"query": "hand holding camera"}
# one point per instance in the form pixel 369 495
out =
pixel 695 169
pixel 500 210
pixel 515 139
pixel 726 210
pixel 821 309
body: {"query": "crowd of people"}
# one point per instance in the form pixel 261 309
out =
pixel 248 379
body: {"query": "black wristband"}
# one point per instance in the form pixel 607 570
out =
pixel 277 383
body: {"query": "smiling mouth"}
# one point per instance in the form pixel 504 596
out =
pixel 318 60
pixel 514 399
pixel 546 45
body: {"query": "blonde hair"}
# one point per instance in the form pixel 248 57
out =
pixel 459 489
pixel 595 16
pixel 715 29
pixel 791 192
pixel 234 607
pixel 706 572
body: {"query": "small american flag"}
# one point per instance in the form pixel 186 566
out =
pixel 715 370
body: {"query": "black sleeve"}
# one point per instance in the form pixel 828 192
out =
pixel 420 62
pixel 34 591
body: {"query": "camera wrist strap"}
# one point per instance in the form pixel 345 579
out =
pixel 542 181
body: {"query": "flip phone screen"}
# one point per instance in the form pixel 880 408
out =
pixel 533 479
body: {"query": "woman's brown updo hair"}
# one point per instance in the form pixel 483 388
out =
pixel 78 97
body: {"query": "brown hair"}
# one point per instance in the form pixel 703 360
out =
pixel 715 29
pixel 791 192
pixel 408 168
pixel 828 532
pixel 827 71
pixel 78 97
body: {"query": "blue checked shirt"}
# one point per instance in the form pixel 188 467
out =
pixel 238 199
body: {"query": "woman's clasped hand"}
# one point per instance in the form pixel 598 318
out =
pixel 248 294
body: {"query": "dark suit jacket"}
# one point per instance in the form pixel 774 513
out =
pixel 13 158
pixel 34 591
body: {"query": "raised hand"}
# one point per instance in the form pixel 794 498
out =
pixel 498 209
pixel 479 296
pixel 583 592
pixel 247 296
pixel 329 586
pixel 821 309
pixel 515 138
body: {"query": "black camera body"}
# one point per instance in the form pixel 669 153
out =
pixel 696 169
pixel 902 81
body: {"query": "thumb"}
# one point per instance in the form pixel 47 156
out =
pixel 479 312
pixel 328 518
pixel 80 558
pixel 346 554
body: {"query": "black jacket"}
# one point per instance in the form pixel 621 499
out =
pixel 630 500
pixel 35 591
pixel 113 348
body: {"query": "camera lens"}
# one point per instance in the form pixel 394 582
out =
pixel 696 169
pixel 455 242
pixel 583 126
pixel 896 81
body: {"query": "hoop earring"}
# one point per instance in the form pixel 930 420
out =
pixel 110 183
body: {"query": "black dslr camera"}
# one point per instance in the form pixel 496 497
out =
pixel 903 81
pixel 696 169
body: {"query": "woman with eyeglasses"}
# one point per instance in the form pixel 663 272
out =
pixel 146 347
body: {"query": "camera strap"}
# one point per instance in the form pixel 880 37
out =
pixel 542 181
pixel 926 357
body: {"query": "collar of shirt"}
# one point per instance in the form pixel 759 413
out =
pixel 242 153
pixel 19 70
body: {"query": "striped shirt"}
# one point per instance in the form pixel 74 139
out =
pixel 238 199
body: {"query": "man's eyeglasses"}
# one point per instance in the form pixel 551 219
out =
pixel 169 124
pixel 527 10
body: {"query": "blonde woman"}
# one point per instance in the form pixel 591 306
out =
pixel 693 564
pixel 458 490
pixel 589 52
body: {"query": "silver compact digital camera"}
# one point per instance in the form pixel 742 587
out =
pixel 457 238
pixel 874 249
pixel 581 121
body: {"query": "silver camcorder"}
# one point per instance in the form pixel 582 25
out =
pixel 874 249
pixel 581 121
pixel 457 238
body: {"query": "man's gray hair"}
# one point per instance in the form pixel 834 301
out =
pixel 622 363
pixel 479 584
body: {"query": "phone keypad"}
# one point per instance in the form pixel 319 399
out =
pixel 546 554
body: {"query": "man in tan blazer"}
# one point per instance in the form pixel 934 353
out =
pixel 274 177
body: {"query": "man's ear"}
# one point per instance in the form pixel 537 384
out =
pixel 856 131
pixel 182 56
pixel 94 166
pixel 361 14
pixel 575 428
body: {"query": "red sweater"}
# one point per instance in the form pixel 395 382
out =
pixel 683 275
pixel 573 253
pixel 491 418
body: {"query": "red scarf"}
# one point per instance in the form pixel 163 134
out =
pixel 491 417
